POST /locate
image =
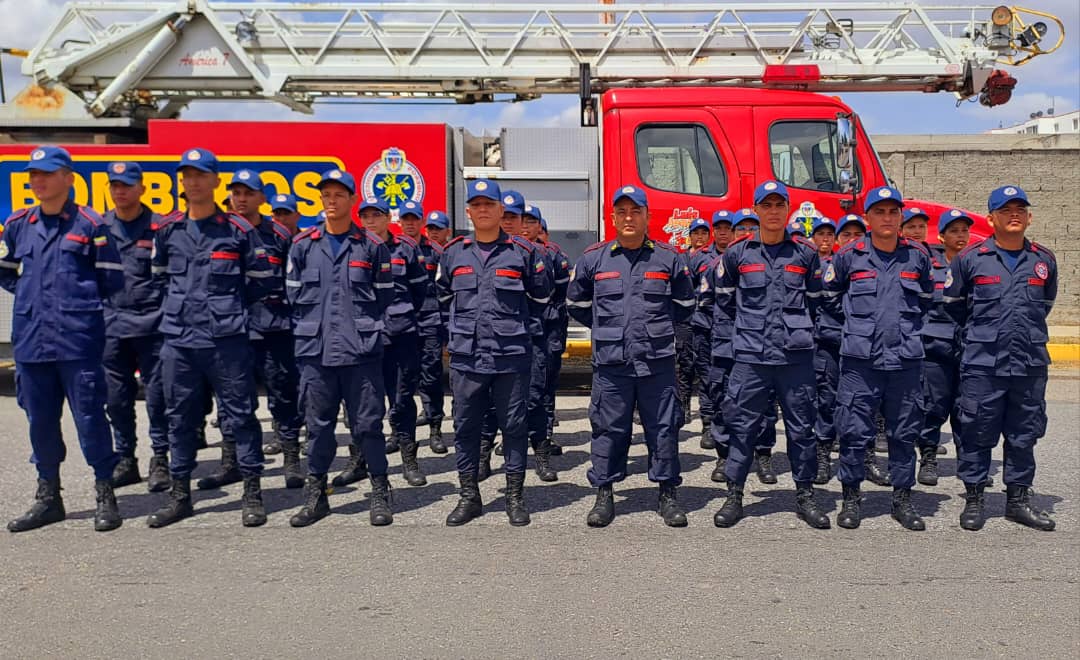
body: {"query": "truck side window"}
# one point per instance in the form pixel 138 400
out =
pixel 803 155
pixel 679 158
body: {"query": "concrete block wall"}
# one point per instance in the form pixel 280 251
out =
pixel 961 170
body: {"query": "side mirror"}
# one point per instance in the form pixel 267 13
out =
pixel 845 151
pixel 846 182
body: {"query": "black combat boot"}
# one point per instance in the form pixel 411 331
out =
pixel 379 512
pixel 158 481
pixel 904 513
pixel 252 511
pixel 707 441
pixel 469 505
pixel 435 441
pixel 486 445
pixel 515 500
pixel 874 473
pixel 554 448
pixel 177 508
pixel 126 472
pixel 355 470
pixel 316 504
pixel 294 472
pixel 107 515
pixel 48 508
pixel 850 516
pixel 227 473
pixel 928 472
pixel 392 442
pixel 603 510
pixel 824 463
pixel 721 460
pixel 971 518
pixel 422 420
pixel 668 506
pixel 732 511
pixel 1018 509
pixel 498 450
pixel 765 472
pixel 807 508
pixel 275 444
pixel 542 464
pixel 410 467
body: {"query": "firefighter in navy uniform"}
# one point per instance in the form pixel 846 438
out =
pixel 882 285
pixel 826 352
pixel 432 327
pixel 495 287
pixel 632 291
pixel 701 321
pixel 557 339
pixel 58 260
pixel 1000 292
pixel 132 340
pixel 401 343
pixel 270 330
pixel 941 367
pixel 762 283
pixel 214 272
pixel 340 283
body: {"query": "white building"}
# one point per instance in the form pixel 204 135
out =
pixel 1044 125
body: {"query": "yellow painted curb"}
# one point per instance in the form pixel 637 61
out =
pixel 1064 352
pixel 1059 353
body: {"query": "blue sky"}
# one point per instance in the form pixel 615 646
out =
pixel 1051 81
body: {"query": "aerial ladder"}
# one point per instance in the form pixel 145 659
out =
pixel 122 63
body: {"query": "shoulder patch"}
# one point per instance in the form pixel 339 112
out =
pixel 848 248
pixel 596 246
pixel 456 240
pixel 239 222
pixel 304 234
pixel 21 213
pixel 919 246
pixel 172 218
pixel 407 240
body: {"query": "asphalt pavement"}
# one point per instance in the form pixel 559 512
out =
pixel 769 587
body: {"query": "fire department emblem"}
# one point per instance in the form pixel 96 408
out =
pixel 948 278
pixel 393 179
pixel 118 168
pixel 1042 271
pixel 678 226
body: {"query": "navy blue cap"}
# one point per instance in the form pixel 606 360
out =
pixel 1004 195
pixel 482 188
pixel 850 218
pixel 823 222
pixel 411 208
pixel 699 223
pixel 283 201
pixel 438 219
pixel 951 216
pixel 882 194
pixel 770 188
pixel 338 176
pixel 49 159
pixel 914 212
pixel 513 202
pixel 723 216
pixel 633 193
pixel 534 212
pixel 543 224
pixel 199 159
pixel 125 172
pixel 747 214
pixel 374 203
pixel 247 178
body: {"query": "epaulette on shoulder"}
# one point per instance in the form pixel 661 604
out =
pixel 971 246
pixel 668 246
pixel 408 240
pixel 435 246
pixel 281 230
pixel 555 246
pixel 595 246
pixel 849 247
pixel 17 215
pixel 463 239
pixel 172 218
pixel 805 242
pixel 239 222
pixel 523 243
pixel 91 215
pixel 304 234
pixel 915 244
pixel 1042 249
pixel 372 236
pixel 739 239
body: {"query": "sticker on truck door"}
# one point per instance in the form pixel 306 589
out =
pixel 677 226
